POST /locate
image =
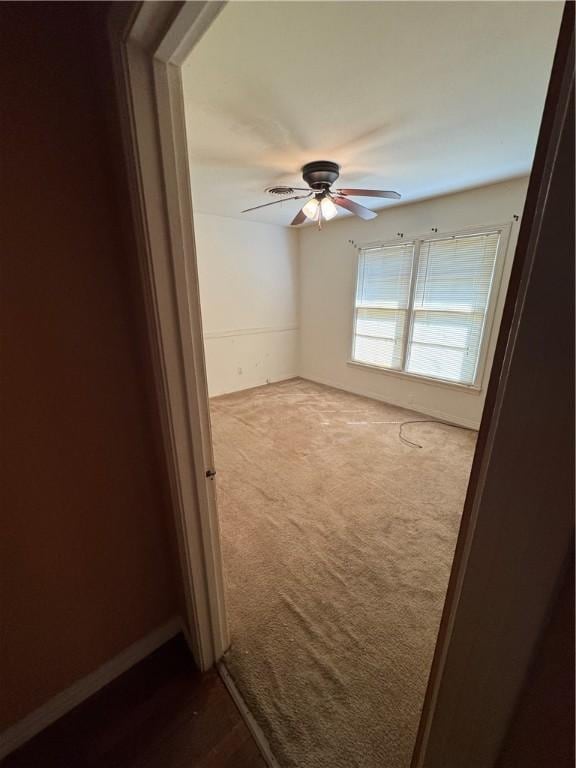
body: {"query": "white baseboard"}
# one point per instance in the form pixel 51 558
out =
pixel 251 724
pixel 436 414
pixel 66 700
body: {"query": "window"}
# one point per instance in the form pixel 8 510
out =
pixel 421 306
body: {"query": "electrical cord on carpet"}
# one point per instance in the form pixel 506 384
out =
pixel 425 421
pixel 402 424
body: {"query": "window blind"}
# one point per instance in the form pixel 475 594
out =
pixel 382 298
pixel 421 306
pixel 451 295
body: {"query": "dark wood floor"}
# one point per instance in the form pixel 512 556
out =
pixel 160 714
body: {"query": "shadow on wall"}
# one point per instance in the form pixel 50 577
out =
pixel 87 559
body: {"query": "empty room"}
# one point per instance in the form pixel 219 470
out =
pixel 358 175
pixel 288 346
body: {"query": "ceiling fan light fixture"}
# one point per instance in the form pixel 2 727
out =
pixel 310 210
pixel 329 210
pixel 323 202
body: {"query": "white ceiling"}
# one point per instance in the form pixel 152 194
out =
pixel 421 97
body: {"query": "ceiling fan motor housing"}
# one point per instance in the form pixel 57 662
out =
pixel 321 174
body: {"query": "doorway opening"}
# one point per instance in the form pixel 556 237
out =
pixel 347 365
pixel 346 472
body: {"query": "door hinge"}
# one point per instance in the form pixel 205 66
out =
pixel 210 472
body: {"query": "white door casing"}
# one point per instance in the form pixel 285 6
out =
pixel 149 44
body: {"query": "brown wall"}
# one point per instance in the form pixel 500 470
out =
pixel 542 730
pixel 86 564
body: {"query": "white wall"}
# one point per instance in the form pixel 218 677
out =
pixel 270 314
pixel 327 280
pixel 249 287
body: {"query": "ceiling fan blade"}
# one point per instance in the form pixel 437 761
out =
pixel 350 205
pixel 299 218
pixel 275 202
pixel 370 193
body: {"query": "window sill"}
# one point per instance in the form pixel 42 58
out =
pixel 472 389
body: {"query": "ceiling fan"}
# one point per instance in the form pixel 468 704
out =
pixel 322 199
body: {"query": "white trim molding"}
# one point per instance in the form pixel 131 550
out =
pixel 148 42
pixel 249 331
pixel 59 705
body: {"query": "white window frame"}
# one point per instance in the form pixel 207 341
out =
pixel 489 329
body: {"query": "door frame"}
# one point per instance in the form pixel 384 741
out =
pixel 150 41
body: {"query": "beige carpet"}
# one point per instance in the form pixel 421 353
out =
pixel 338 541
